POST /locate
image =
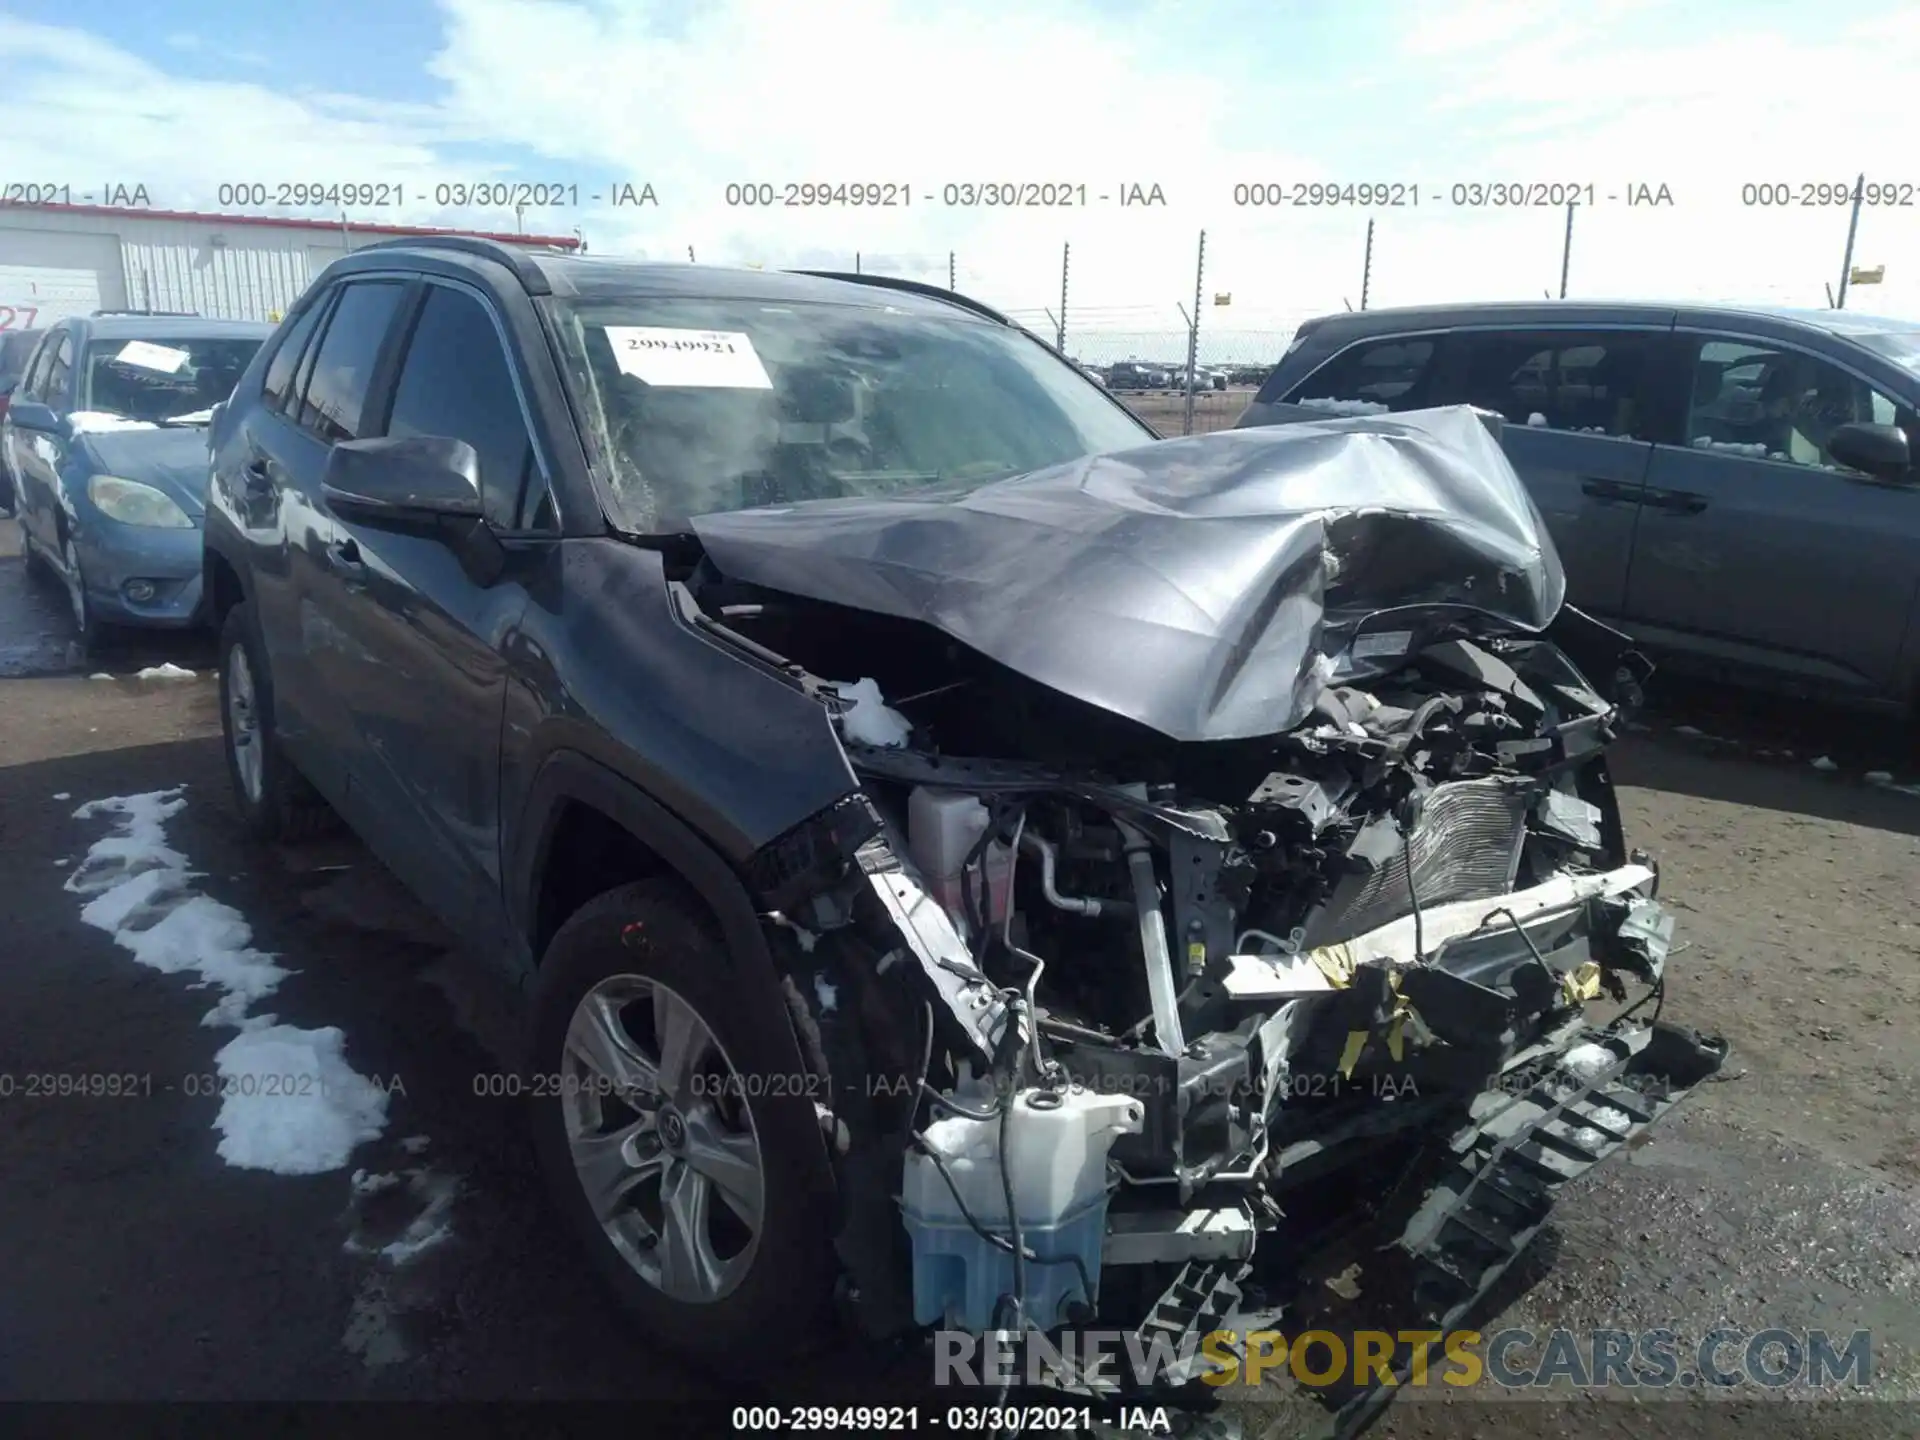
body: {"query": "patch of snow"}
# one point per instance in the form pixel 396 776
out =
pixel 871 721
pixel 365 1183
pixel 1588 1138
pixel 1878 777
pixel 95 422
pixel 415 1144
pixel 1692 730
pixel 1611 1118
pixel 1588 1060
pixel 167 671
pixel 1537 420
pixel 1823 763
pixel 292 1103
pixel 62 864
pixel 100 675
pixel 1346 407
pixel 430 1224
pixel 62 795
pixel 824 992
pixel 198 417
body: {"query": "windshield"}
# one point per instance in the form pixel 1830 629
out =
pixel 1899 346
pixel 704 405
pixel 160 379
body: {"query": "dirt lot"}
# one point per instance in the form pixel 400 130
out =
pixel 1166 411
pixel 139 1265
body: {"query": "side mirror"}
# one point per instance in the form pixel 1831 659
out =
pixel 405 480
pixel 32 415
pixel 1881 451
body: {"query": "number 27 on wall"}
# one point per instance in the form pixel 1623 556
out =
pixel 18 317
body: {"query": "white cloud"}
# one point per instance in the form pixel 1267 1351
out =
pixel 1610 93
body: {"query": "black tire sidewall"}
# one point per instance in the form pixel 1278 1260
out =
pixel 782 1304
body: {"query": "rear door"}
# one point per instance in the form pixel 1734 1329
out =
pixel 1755 550
pixel 1581 407
pixel 415 659
pixel 281 452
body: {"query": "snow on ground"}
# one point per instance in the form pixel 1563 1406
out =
pixel 167 671
pixel 291 1103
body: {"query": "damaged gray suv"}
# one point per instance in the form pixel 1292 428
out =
pixel 972 865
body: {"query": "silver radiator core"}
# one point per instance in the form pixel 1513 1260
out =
pixel 1466 846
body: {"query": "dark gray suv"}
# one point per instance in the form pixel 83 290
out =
pixel 1734 487
pixel 965 858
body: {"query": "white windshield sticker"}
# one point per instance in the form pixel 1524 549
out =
pixel 1381 643
pixel 707 359
pixel 148 356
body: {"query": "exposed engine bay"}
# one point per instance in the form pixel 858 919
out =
pixel 1136 1012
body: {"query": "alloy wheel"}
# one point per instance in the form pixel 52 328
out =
pixel 243 724
pixel 662 1138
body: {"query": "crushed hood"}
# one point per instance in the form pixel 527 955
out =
pixel 1202 587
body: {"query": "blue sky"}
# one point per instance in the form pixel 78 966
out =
pixel 1698 95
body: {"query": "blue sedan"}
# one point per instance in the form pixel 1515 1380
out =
pixel 105 441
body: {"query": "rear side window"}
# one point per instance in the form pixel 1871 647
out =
pixel 1371 378
pixel 455 381
pixel 1593 382
pixel 286 356
pixel 336 394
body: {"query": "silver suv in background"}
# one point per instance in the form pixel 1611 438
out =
pixel 1736 488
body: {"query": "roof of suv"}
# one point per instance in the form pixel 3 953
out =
pixel 1589 312
pixel 589 277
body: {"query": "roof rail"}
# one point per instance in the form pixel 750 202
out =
pixel 514 258
pixel 911 287
pixel 171 314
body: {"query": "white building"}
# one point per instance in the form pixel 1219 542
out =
pixel 61 260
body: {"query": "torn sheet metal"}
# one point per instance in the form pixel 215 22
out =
pixel 1230 569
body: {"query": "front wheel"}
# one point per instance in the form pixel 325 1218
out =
pixel 90 629
pixel 677 1154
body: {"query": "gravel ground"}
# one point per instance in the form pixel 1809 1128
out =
pixel 138 1265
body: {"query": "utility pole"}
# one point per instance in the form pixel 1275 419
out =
pixel 1060 335
pixel 856 262
pixel 950 284
pixel 690 259
pixel 1566 251
pixel 1193 328
pixel 1853 227
pixel 1366 267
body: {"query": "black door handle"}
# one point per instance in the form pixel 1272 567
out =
pixel 1677 502
pixel 1606 489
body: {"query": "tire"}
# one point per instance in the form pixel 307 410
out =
pixel 274 800
pixel 86 625
pixel 39 568
pixel 627 954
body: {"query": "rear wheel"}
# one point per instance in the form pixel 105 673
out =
pixel 274 800
pixel 671 1150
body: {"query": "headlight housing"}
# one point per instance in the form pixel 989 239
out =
pixel 133 503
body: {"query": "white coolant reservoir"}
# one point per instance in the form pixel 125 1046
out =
pixel 943 826
pixel 1056 1158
